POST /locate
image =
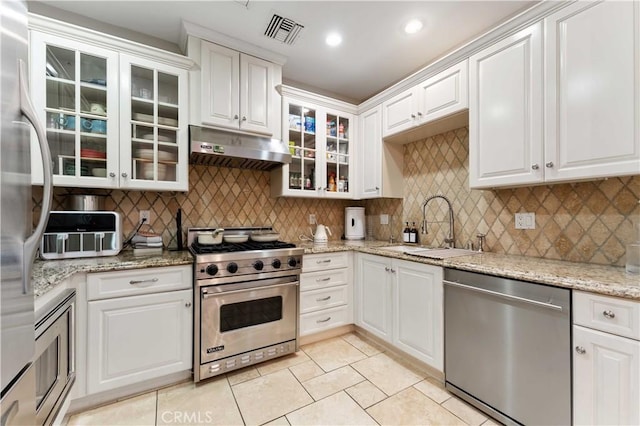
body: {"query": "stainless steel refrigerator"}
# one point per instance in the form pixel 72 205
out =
pixel 17 241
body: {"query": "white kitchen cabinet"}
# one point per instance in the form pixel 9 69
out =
pixel 606 360
pixel 592 83
pixel 326 292
pixel 379 163
pixel 437 97
pixel 505 112
pixel 583 123
pixel 322 144
pixel 238 90
pixel 401 303
pixel 139 337
pixel 154 125
pixel 115 112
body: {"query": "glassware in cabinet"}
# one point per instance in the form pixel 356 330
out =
pixel 303 148
pixel 337 153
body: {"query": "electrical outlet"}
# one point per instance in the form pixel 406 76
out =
pixel 384 219
pixel 146 216
pixel 525 221
pixel 312 219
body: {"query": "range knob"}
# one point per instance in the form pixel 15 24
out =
pixel 232 267
pixel 212 269
pixel 258 265
pixel 276 263
pixel 292 262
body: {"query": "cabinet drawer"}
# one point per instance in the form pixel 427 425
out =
pixel 323 298
pixel 316 280
pixel 609 314
pixel 132 282
pixel 321 262
pixel 324 320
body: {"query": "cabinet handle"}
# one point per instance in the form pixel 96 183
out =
pixel 187 305
pixel 581 350
pixel 244 118
pixel 609 314
pixel 323 299
pixel 324 320
pixel 150 280
pixel 549 164
pixel 323 261
pixel 535 167
pixel 124 175
pixel 111 174
pixel 235 117
pixel 319 280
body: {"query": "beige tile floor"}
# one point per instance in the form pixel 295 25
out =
pixel 345 380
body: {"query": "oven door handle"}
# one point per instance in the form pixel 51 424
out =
pixel 261 286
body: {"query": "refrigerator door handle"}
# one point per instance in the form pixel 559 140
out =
pixel 26 106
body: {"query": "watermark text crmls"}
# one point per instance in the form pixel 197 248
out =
pixel 187 417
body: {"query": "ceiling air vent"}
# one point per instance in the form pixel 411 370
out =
pixel 283 29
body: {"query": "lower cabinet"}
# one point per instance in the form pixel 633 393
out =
pixel 606 366
pixel 401 303
pixel 325 292
pixel 138 337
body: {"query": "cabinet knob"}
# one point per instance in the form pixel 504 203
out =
pixel 377 188
pixel 235 117
pixel 609 314
pixel 244 118
pixel 535 166
pixel 419 114
pixel 413 116
pixel 549 164
pixel 386 268
pixel 581 350
pixel 124 175
pixel 111 174
pixel 393 271
pixel 187 305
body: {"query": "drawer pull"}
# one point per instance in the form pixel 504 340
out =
pixel 609 314
pixel 581 350
pixel 323 261
pixel 319 280
pixel 150 280
pixel 324 320
pixel 323 299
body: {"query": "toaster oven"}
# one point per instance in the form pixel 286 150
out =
pixel 71 234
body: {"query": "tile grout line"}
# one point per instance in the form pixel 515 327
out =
pixel 226 377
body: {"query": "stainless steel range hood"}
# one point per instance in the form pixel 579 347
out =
pixel 223 148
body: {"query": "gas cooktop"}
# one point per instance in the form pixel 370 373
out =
pixel 198 248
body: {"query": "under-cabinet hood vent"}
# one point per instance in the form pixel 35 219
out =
pixel 283 29
pixel 215 147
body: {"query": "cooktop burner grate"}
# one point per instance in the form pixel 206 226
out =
pixel 235 247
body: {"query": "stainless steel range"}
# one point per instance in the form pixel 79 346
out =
pixel 246 300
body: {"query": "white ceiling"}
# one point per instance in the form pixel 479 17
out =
pixel 375 52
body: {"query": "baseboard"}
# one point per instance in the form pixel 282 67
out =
pixel 328 334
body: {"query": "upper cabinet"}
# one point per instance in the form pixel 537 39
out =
pixel 438 96
pixel 505 111
pixel 238 91
pixel 379 163
pixel 116 114
pixel 321 140
pixel 584 123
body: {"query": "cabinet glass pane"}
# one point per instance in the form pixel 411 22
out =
pixel 61 63
pixel 302 145
pixel 337 151
pixel 93 70
pixel 154 126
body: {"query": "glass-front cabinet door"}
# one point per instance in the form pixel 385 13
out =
pixel 321 152
pixel 153 118
pixel 75 89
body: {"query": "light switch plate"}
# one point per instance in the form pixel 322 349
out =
pixel 312 219
pixel 384 219
pixel 146 215
pixel 525 221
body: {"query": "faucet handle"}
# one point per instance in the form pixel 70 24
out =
pixel 481 241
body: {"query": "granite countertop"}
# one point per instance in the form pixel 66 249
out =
pixel 49 273
pixel 602 279
pixel 606 280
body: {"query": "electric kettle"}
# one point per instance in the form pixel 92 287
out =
pixel 320 236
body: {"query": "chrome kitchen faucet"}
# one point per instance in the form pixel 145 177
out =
pixel 451 238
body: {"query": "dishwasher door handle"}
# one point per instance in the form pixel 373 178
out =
pixel 506 296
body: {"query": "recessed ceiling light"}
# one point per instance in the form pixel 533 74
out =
pixel 333 39
pixel 413 26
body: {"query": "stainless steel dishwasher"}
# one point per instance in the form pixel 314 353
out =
pixel 508 347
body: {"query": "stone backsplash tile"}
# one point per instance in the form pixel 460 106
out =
pixel 218 197
pixel 584 222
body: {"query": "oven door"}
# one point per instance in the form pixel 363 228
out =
pixel 237 318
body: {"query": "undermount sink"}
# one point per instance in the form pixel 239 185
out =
pixel 431 253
